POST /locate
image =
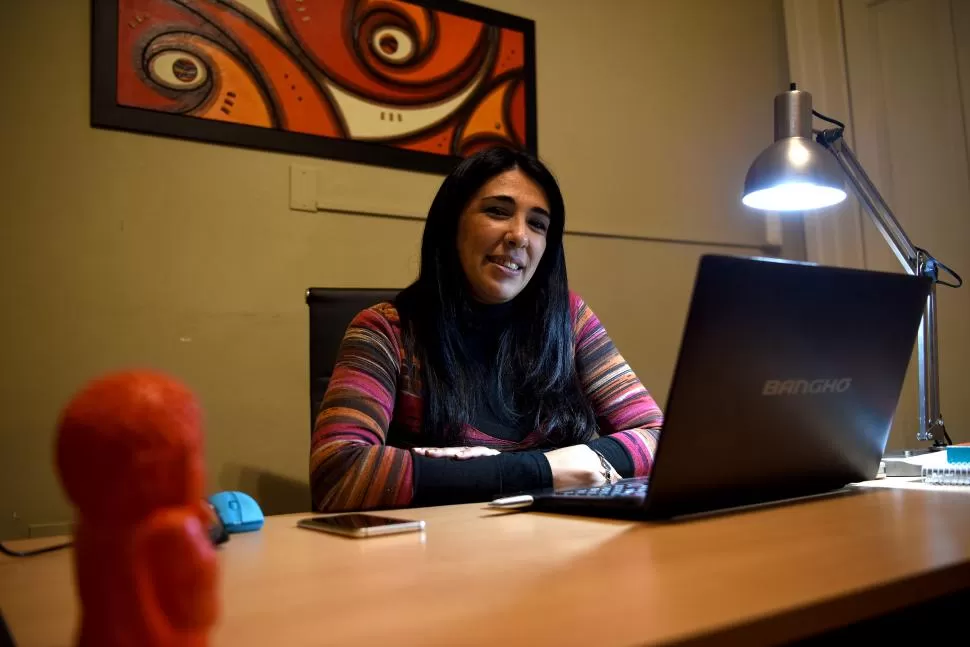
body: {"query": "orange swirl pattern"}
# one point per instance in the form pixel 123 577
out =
pixel 389 72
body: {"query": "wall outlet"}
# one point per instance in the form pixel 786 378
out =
pixel 773 235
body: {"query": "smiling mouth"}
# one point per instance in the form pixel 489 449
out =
pixel 506 262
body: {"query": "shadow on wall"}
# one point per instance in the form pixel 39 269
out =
pixel 275 494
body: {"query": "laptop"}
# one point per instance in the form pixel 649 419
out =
pixel 786 383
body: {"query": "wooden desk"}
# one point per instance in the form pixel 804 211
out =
pixel 476 577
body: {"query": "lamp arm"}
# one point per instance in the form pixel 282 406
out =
pixel 917 262
pixel 871 199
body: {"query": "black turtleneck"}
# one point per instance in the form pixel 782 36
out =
pixel 481 334
pixel 439 481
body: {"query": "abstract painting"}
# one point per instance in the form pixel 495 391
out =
pixel 417 84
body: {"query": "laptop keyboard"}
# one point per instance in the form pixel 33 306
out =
pixel 622 489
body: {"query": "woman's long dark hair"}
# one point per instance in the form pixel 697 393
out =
pixel 534 380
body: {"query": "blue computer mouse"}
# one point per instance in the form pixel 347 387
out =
pixel 239 511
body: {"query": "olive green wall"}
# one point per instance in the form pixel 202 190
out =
pixel 122 250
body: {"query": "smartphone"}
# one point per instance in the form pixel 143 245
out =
pixel 356 524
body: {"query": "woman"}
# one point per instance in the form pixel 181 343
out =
pixel 486 377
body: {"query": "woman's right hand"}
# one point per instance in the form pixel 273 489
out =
pixel 576 466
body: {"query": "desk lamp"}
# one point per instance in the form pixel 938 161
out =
pixel 799 173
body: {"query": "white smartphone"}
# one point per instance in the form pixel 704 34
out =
pixel 357 524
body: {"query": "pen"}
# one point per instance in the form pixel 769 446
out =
pixel 517 501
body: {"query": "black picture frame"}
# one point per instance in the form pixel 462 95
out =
pixel 107 113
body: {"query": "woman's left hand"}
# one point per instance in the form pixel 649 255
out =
pixel 459 453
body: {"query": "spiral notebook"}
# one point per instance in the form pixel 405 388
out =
pixel 949 467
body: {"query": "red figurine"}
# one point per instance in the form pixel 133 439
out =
pixel 129 453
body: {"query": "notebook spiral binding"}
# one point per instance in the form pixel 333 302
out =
pixel 950 474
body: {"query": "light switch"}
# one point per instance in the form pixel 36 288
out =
pixel 303 188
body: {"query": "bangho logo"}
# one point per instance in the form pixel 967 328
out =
pixel 806 387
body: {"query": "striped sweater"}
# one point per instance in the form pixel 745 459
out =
pixel 371 414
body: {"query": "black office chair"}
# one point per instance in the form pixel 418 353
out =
pixel 331 311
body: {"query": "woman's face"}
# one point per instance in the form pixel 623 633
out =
pixel 502 236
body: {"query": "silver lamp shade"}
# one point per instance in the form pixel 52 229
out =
pixel 795 173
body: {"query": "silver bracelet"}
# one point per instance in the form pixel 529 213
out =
pixel 607 468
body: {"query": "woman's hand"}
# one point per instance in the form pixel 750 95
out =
pixel 576 466
pixel 458 453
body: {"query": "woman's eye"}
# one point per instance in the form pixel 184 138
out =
pixel 540 225
pixel 495 211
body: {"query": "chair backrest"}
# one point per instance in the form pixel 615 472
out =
pixel 331 311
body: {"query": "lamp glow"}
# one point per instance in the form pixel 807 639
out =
pixel 794 196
